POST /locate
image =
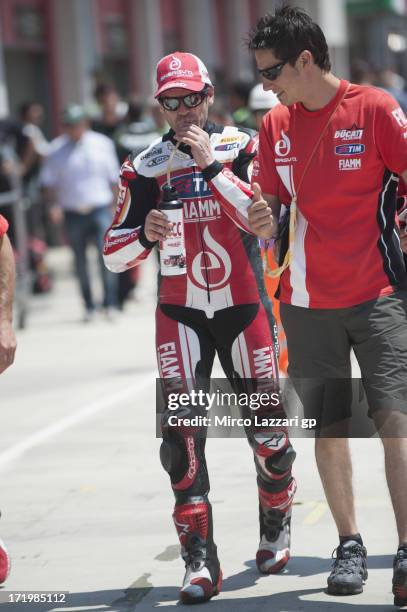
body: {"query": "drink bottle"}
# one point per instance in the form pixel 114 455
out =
pixel 172 249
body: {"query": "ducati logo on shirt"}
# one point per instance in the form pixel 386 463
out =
pixel 215 260
pixel 352 133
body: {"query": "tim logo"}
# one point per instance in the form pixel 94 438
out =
pixel 283 146
pixel 175 63
pixel 350 149
pixel 227 147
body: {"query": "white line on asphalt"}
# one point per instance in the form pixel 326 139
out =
pixel 316 513
pixel 41 436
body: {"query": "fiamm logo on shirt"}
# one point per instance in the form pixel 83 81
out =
pixel 350 164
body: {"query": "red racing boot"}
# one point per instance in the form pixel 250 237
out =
pixel 203 576
pixel 275 528
pixel 5 564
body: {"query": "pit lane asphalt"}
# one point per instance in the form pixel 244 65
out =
pixel 87 506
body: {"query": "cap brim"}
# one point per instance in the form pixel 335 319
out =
pixel 189 85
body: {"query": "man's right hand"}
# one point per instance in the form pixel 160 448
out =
pixel 261 220
pixel 156 226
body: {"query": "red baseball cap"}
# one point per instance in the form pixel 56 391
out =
pixel 182 70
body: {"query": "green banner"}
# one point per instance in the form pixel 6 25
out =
pixel 366 7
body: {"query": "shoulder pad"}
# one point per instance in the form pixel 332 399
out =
pixel 154 161
pixel 228 144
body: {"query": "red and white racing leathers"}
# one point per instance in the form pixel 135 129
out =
pixel 219 305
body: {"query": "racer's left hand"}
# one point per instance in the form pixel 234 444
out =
pixel 198 140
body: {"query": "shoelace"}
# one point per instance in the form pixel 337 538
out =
pixel 401 556
pixel 346 560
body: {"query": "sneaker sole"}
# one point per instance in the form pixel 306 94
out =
pixel 400 589
pixel 344 590
pixel 275 569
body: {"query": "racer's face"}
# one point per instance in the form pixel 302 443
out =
pixel 279 76
pixel 184 116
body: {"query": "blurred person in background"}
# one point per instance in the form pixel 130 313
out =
pixel 239 104
pixel 395 84
pixel 112 109
pixel 80 176
pixel 134 134
pixel 31 148
pixel 220 114
pixel 216 304
pixel 7 338
pixel 362 72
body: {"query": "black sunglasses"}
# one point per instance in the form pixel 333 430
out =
pixel 273 72
pixel 191 100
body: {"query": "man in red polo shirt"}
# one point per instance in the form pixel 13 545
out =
pixel 7 338
pixel 334 151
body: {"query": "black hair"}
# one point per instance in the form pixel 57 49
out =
pixel 289 31
pixel 25 107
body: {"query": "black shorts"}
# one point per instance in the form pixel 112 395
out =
pixel 319 343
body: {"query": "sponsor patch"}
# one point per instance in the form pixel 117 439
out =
pixel 154 151
pixel 350 149
pixel 350 164
pixel 400 117
pixel 352 133
pixel 156 161
pixel 227 147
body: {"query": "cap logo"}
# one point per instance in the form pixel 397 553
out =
pixel 175 64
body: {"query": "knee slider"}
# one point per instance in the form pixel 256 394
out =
pixel 281 461
pixel 170 456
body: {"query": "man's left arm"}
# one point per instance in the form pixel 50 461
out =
pixel 402 212
pixel 7 282
pixel 233 193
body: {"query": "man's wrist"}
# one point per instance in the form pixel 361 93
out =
pixel 212 170
pixel 147 244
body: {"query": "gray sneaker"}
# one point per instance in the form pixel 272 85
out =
pixel 349 569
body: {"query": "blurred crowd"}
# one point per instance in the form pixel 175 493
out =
pixel 68 184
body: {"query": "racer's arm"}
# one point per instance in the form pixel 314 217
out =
pixel 7 281
pixel 126 241
pixel 233 193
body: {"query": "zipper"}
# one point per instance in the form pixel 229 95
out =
pixel 201 240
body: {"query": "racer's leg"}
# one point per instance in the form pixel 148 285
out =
pixel 185 354
pixel 249 361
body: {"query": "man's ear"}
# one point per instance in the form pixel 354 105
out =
pixel 211 97
pixel 306 59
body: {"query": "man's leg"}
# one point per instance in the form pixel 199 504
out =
pixel 185 358
pixel 77 228
pixel 379 333
pixel 395 461
pixel 335 470
pixel 102 218
pixel 319 365
pixel 247 354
